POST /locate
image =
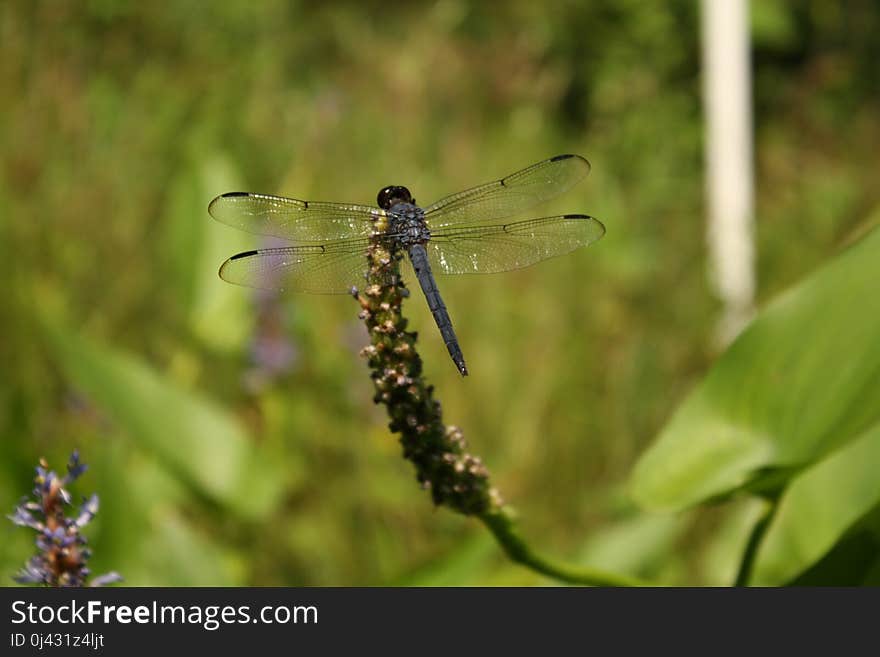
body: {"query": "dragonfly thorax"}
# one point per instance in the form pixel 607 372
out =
pixel 406 225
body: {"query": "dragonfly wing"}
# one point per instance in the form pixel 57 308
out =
pixel 504 247
pixel 508 196
pixel 332 268
pixel 301 222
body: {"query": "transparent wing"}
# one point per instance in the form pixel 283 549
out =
pixel 492 249
pixel 317 269
pixel 508 196
pixel 301 222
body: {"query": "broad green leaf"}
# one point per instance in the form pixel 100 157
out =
pixel 819 506
pixel 141 532
pixel 722 551
pixel 195 438
pixel 854 561
pixel 635 546
pixel 802 380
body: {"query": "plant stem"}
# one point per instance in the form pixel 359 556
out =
pixel 754 542
pixel 503 527
pixel 454 477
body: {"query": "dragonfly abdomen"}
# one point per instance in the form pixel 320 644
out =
pixel 419 257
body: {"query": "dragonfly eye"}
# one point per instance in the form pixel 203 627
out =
pixel 391 196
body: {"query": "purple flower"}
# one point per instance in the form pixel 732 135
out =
pixel 61 548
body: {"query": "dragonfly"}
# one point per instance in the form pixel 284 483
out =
pixel 463 233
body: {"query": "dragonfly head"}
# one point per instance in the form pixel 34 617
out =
pixel 391 196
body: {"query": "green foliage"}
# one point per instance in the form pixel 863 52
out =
pixel 791 411
pixel 822 508
pixel 193 436
pixel 220 462
pixel 801 381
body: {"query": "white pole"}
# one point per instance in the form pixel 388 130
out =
pixel 730 187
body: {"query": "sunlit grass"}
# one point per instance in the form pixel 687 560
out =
pixel 118 126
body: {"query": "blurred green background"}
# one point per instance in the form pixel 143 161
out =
pixel 231 436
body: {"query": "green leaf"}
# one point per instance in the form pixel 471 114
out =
pixel 801 381
pixel 855 561
pixel 196 246
pixel 222 313
pixel 818 508
pixel 720 557
pixel 195 438
pixel 143 529
pixel 635 546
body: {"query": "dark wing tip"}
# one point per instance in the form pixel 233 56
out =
pixel 568 156
pixel 223 272
pixel 217 199
pixel 592 220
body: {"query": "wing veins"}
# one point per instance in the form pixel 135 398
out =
pixel 510 195
pixel 298 221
